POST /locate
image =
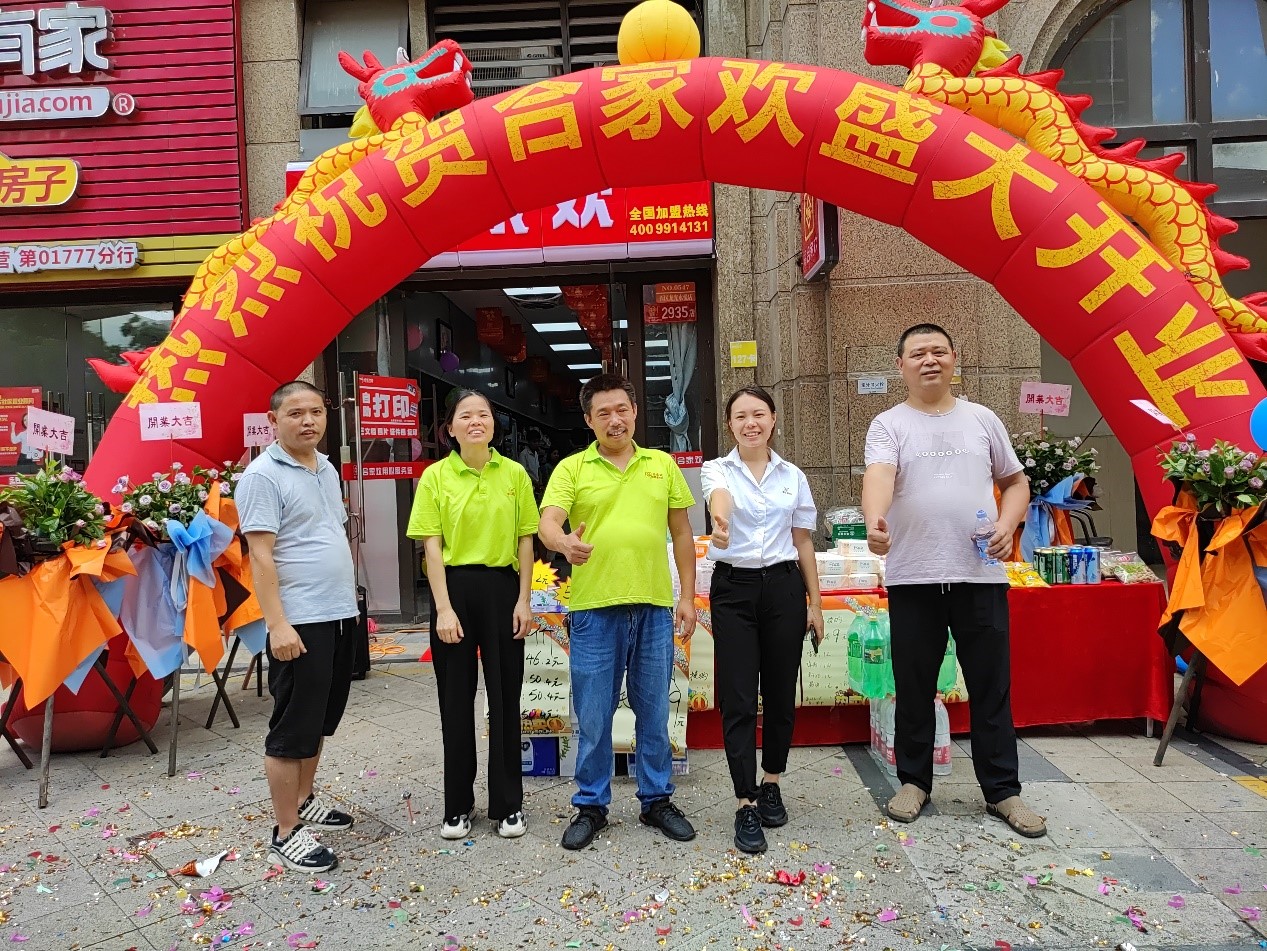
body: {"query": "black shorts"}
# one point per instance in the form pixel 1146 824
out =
pixel 310 692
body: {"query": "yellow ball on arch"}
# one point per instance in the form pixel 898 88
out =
pixel 655 31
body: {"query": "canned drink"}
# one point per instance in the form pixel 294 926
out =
pixel 1042 563
pixel 1060 566
pixel 1077 565
pixel 1093 565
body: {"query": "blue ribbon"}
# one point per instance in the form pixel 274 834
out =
pixel 80 673
pixel 253 635
pixel 1039 527
pixel 153 621
pixel 197 548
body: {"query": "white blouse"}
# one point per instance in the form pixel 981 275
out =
pixel 764 513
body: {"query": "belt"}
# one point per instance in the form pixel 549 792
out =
pixel 779 568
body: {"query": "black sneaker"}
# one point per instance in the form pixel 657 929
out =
pixel 301 852
pixel 317 813
pixel 748 835
pixel 589 822
pixel 770 806
pixel 668 818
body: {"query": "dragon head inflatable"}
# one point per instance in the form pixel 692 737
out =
pixel 903 33
pixel 427 86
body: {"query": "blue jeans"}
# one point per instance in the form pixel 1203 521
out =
pixel 635 642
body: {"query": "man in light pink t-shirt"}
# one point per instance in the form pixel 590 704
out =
pixel 933 463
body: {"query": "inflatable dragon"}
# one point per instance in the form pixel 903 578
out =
pixel 955 59
pixel 399 100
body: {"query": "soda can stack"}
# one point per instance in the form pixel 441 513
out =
pixel 1068 564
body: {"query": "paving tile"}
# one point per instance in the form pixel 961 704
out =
pixel 1177 767
pixel 1186 830
pixel 1137 797
pixel 1097 769
pixel 1224 796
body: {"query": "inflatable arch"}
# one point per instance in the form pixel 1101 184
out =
pixel 1130 322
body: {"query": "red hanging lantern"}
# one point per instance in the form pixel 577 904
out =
pixel 538 369
pixel 515 346
pixel 489 325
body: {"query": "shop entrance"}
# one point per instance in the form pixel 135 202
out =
pixel 528 340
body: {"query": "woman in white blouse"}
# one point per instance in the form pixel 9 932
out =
pixel 763 515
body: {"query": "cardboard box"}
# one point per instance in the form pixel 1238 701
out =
pixel 539 756
pixel 626 763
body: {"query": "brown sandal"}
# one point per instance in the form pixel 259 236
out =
pixel 1023 820
pixel 908 803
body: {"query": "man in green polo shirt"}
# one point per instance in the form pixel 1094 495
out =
pixel 620 499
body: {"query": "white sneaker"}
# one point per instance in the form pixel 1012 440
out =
pixel 513 826
pixel 457 827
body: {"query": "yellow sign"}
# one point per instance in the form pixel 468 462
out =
pixel 743 353
pixel 37 183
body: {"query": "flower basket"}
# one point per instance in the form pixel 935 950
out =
pixel 1216 528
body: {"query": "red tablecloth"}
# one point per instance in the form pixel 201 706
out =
pixel 1079 653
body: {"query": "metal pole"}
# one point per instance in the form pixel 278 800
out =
pixel 171 744
pixel 46 751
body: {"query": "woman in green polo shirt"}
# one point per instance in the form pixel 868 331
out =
pixel 476 516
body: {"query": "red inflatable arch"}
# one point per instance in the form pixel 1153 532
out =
pixel 1079 273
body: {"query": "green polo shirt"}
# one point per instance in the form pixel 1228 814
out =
pixel 626 516
pixel 479 515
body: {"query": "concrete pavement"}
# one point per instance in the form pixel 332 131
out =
pixel 1171 857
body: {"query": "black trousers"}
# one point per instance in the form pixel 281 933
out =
pixel 977 616
pixel 759 620
pixel 484 601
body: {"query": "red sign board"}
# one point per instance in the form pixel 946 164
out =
pixel 386 470
pixel 615 224
pixel 819 237
pixel 388 407
pixel 670 303
pixel 14 402
pixel 142 97
pixel 689 460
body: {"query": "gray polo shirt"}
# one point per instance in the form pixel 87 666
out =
pixel 304 509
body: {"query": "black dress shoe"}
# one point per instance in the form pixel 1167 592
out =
pixel 770 806
pixel 748 835
pixel 589 822
pixel 668 818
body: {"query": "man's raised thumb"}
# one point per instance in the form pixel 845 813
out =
pixel 580 530
pixel 881 525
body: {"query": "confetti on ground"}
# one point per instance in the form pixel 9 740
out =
pixel 1177 902
pixel 887 915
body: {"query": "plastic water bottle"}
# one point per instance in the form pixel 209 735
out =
pixel 873 658
pixel 941 740
pixel 981 537
pixel 855 653
pixel 888 734
pixel 946 674
pixel 890 688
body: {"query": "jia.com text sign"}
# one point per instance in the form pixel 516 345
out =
pixel 614 224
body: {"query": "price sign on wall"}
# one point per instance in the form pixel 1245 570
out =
pixel 670 303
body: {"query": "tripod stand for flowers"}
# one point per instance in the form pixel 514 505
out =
pixel 1218 604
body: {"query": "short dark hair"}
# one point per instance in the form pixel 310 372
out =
pixel 290 389
pixel 919 329
pixel 603 383
pixel 447 438
pixel 758 391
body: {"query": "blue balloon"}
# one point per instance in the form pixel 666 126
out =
pixel 1258 425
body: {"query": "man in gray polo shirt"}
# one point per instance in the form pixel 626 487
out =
pixel 292 515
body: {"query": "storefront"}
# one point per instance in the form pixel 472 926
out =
pixel 617 282
pixel 121 169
